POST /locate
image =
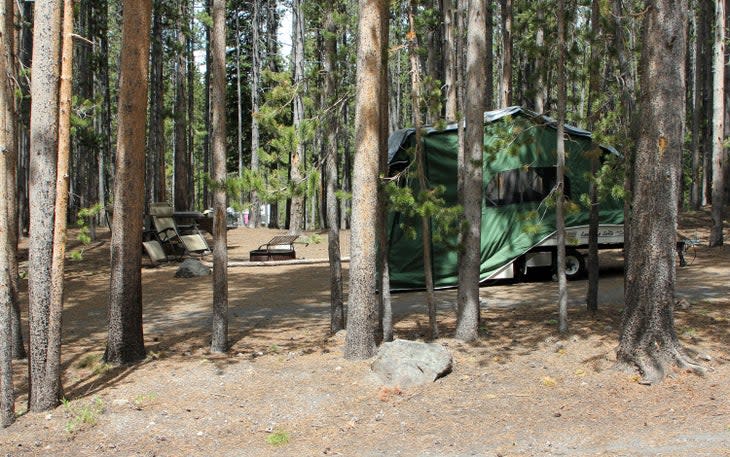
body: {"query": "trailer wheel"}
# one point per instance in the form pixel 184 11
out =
pixel 575 265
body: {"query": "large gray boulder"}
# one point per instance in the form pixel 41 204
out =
pixel 191 268
pixel 410 363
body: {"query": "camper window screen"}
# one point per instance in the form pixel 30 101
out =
pixel 522 185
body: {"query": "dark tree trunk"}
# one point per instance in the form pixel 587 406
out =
pixel 183 167
pixel 506 85
pixel 219 341
pixel 337 311
pixel 416 102
pixel 44 320
pixel 627 105
pixel 206 142
pixel 560 175
pixel 489 58
pixel 13 129
pixel 105 117
pixel 593 92
pixel 125 343
pixel 701 66
pixel 718 128
pixel 8 146
pixel 156 139
pixel 467 324
pixel 648 340
pixel 297 164
pixel 256 67
pixel 24 57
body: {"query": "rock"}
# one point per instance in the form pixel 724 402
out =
pixel 409 363
pixel 192 268
pixel 683 304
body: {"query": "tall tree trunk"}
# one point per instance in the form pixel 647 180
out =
pixel 255 218
pixel 206 141
pixel 593 89
pixel 296 163
pixel 648 340
pixel 416 101
pixel 7 158
pixel 189 45
pixel 25 52
pixel 218 142
pixel 489 58
pixel 718 128
pixel 627 111
pixel 125 342
pixel 362 311
pixel 701 63
pixel 44 320
pixel 506 85
pixel 540 60
pixel 105 118
pixel 560 178
pixel 13 133
pixel 467 323
pixel 182 163
pixel 383 281
pixel 239 106
pixel 62 186
pixel 156 139
pixel 449 61
pixel 707 114
pixel 337 311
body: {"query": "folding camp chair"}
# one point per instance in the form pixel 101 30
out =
pixel 175 242
pixel 280 247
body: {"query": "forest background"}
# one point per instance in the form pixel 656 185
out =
pixel 275 150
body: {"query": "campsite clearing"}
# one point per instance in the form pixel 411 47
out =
pixel 285 390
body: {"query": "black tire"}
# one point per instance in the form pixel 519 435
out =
pixel 575 264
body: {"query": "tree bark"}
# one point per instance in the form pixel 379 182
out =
pixel 62 187
pixel 648 340
pixel 593 89
pixel 7 156
pixel 296 163
pixel 560 176
pixel 540 60
pixel 156 139
pixel 44 320
pixel 506 85
pixel 337 311
pixel 218 146
pixel 449 59
pixel 702 22
pixel 125 342
pixel 239 105
pixel 467 323
pixel 13 190
pixel 362 312
pixel 255 218
pixel 718 128
pixel 416 101
pixel 25 52
pixel 627 104
pixel 183 166
pixel 489 58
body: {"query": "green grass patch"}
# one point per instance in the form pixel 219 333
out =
pixel 82 415
pixel 278 438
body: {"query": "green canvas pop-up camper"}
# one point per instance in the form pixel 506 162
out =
pixel 518 222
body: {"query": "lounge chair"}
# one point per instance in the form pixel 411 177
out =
pixel 175 241
pixel 280 247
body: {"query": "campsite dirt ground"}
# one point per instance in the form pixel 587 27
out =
pixel 521 390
